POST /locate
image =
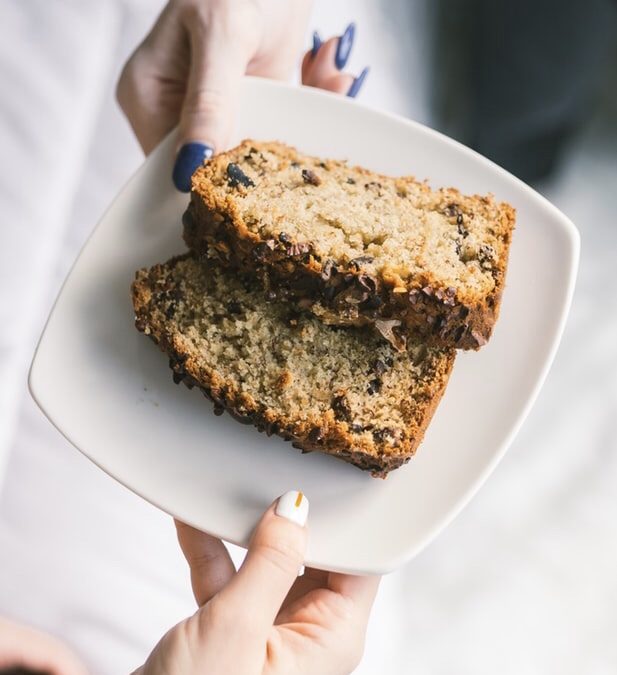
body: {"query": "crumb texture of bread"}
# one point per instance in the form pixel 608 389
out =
pixel 354 246
pixel 343 391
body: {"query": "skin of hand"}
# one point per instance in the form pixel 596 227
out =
pixel 264 618
pixel 188 70
pixel 25 647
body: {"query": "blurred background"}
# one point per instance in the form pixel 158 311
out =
pixel 524 581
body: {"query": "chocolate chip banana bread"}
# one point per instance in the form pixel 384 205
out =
pixel 354 246
pixel 345 392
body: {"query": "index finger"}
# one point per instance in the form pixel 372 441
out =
pixel 360 589
pixel 209 561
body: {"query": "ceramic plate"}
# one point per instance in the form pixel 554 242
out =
pixel 109 390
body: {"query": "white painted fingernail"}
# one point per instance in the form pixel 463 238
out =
pixel 294 506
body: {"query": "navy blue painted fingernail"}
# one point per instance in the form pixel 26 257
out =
pixel 357 83
pixel 190 156
pixel 343 49
pixel 316 44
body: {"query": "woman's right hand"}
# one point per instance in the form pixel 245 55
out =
pixel 188 70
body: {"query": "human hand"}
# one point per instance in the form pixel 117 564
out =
pixel 24 649
pixel 264 619
pixel 188 70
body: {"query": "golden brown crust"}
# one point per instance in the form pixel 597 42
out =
pixel 340 291
pixel 328 433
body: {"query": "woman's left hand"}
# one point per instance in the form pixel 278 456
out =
pixel 264 619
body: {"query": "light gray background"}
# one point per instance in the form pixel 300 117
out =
pixel 523 581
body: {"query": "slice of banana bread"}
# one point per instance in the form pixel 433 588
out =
pixel 354 246
pixel 345 392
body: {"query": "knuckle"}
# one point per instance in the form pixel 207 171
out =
pixel 205 102
pixel 204 559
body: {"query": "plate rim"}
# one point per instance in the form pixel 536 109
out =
pixel 559 221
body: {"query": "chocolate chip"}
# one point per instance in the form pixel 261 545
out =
pixel 478 337
pixel 463 312
pixel 284 238
pixel 234 307
pixel 361 260
pixel 329 292
pixel 351 181
pixel 315 435
pixel 328 270
pixel 311 177
pixel 272 429
pixel 374 386
pixel 357 428
pixel 261 252
pixel 452 210
pixel 367 282
pixel 218 410
pixel 486 251
pixel 428 291
pixel 177 377
pixel 171 310
pixel 386 328
pixel 235 176
pixel 485 256
pixel 298 249
pixel 187 220
pixel 459 219
pixel 379 367
pixel 372 302
pixel 414 295
pixel 440 322
pixel 340 407
pixel 353 296
pixel 460 331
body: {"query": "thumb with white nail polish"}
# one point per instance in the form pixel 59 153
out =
pixel 275 555
pixel 294 506
pixel 265 618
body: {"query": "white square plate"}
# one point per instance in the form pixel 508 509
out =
pixel 109 391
